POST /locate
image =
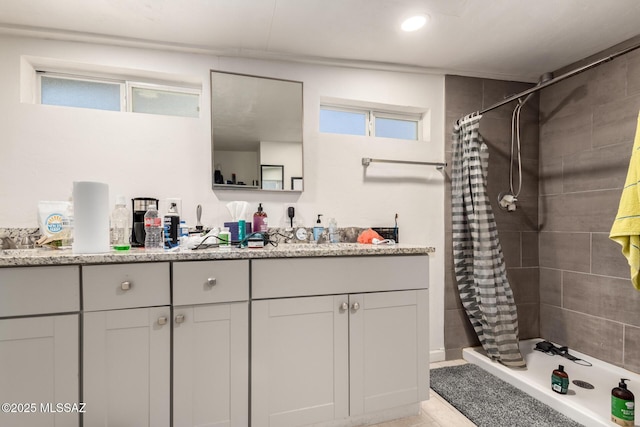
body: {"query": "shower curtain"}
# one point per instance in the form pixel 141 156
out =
pixel 478 261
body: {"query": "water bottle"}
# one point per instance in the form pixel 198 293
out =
pixel 153 230
pixel 120 226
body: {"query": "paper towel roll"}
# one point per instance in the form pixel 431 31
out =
pixel 91 217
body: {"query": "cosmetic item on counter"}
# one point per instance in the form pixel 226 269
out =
pixel 120 229
pixel 139 207
pixel 242 232
pixel 560 380
pixel 153 230
pixel 334 237
pixel 171 223
pixel 260 221
pixel 91 218
pixel 622 405
pixel 224 238
pixel 318 229
pixel 233 230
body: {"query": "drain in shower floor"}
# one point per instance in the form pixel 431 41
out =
pixel 583 384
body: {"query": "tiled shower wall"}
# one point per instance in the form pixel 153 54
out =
pixel 587 126
pixel 518 231
pixel 570 281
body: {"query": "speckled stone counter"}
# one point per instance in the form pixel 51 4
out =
pixel 31 257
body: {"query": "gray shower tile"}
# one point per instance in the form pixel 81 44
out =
pixel 568 134
pixel 498 177
pixel 567 251
pixel 607 81
pixel 525 284
pixel 511 245
pixel 587 334
pixel 551 175
pixel 587 211
pixel 458 332
pixel 528 321
pixel 616 122
pixel 524 218
pixel 530 249
pixel 564 98
pixel 596 169
pixel 631 348
pixel 551 287
pixel 606 257
pixel 633 73
pixel 605 297
pixel 463 95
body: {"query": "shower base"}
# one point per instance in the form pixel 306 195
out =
pixel 591 407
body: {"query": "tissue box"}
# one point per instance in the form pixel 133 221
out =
pixel 233 229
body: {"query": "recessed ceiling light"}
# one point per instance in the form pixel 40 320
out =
pixel 414 23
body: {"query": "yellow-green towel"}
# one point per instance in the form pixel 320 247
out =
pixel 626 228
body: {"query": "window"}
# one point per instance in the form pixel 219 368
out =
pixel 117 95
pixel 366 122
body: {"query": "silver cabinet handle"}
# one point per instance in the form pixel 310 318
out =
pixel 344 306
pixel 180 318
pixel 162 320
pixel 211 281
pixel 355 306
pixel 126 285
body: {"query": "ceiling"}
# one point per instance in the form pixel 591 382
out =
pixel 507 39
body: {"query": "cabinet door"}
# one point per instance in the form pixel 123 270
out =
pixel 39 364
pixel 389 359
pixel 126 364
pixel 210 365
pixel 299 361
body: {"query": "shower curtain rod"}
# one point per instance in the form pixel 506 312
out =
pixel 559 78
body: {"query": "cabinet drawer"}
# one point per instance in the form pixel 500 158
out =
pixel 278 278
pixel 116 286
pixel 39 290
pixel 201 282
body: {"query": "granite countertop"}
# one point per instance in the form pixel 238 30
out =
pixel 31 257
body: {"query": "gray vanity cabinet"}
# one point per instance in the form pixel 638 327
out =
pixel 126 345
pixel 39 349
pixel 320 358
pixel 211 343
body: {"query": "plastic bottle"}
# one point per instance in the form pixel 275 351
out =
pixel 242 232
pixel 560 380
pixel 172 226
pixel 120 226
pixel 184 233
pixel 260 222
pixel 318 229
pixel 622 405
pixel 153 229
pixel 333 231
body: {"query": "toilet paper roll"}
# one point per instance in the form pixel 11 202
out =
pixel 91 217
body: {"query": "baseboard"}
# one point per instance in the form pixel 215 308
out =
pixel 436 355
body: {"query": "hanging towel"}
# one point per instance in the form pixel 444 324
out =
pixel 626 227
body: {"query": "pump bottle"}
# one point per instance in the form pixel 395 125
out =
pixel 260 222
pixel 318 229
pixel 622 405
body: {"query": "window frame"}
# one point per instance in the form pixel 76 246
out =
pixel 372 113
pixel 126 89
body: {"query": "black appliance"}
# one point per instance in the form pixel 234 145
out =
pixel 139 207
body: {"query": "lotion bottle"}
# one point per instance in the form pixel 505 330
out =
pixel 622 405
pixel 318 229
pixel 560 380
pixel 260 222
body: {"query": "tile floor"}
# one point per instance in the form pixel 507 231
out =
pixel 435 412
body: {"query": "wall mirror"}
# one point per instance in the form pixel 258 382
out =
pixel 256 122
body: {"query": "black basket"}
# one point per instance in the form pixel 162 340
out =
pixel 387 232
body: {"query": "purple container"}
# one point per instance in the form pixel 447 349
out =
pixel 233 230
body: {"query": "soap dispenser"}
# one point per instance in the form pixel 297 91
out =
pixel 622 405
pixel 318 229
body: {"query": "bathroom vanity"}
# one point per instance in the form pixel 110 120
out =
pixel 288 336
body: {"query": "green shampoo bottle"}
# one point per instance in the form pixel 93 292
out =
pixel 560 380
pixel 622 405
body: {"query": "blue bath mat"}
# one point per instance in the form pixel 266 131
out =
pixel 489 401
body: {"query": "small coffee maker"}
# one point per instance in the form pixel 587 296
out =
pixel 139 207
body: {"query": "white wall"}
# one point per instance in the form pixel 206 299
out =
pixel 43 149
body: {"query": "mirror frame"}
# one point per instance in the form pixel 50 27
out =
pixel 253 186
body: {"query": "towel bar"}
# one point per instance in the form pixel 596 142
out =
pixel 366 161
